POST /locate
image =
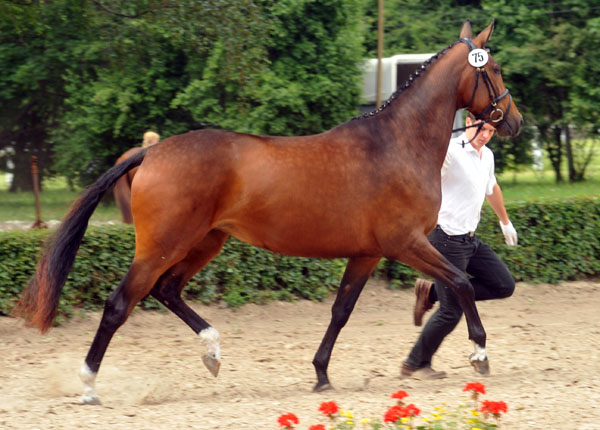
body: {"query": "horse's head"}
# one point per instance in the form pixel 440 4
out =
pixel 482 90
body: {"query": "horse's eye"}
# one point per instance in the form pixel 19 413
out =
pixel 497 70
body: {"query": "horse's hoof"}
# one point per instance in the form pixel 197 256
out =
pixel 90 400
pixel 481 366
pixel 322 387
pixel 212 364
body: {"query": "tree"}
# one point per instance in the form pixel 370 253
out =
pixel 418 26
pixel 143 57
pixel 553 68
pixel 35 49
pixel 313 49
pixel 117 68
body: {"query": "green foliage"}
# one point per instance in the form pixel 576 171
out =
pixel 36 47
pixel 84 80
pixel 137 64
pixel 311 84
pixel 413 26
pixel 513 153
pixel 19 252
pixel 314 80
pixel 553 71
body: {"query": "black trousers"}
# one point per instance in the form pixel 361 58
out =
pixel 490 279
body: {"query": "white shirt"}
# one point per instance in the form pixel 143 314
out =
pixel 466 179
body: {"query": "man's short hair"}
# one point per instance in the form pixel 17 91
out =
pixel 471 116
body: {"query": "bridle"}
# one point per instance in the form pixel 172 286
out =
pixel 496 115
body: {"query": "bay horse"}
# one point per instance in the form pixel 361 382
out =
pixel 122 188
pixel 366 189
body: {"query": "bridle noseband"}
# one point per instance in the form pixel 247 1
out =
pixel 496 115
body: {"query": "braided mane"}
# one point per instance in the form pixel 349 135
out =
pixel 413 77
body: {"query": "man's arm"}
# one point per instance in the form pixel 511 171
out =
pixel 496 202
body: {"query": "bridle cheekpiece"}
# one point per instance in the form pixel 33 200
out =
pixel 496 114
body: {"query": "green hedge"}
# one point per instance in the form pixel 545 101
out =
pixel 558 240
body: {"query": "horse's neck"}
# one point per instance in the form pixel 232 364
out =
pixel 423 114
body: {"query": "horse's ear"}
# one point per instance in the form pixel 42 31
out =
pixel 466 30
pixel 485 35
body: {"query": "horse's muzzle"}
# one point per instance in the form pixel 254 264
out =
pixel 510 126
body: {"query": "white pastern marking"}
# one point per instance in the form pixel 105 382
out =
pixel 479 353
pixel 89 379
pixel 210 337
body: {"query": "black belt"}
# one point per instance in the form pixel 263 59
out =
pixel 456 236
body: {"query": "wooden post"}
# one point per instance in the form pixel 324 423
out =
pixel 36 192
pixel 379 52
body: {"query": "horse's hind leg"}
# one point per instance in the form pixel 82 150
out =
pixel 168 291
pixel 355 277
pixel 136 284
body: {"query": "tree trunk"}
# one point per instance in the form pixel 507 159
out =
pixel 553 144
pixel 569 150
pixel 21 180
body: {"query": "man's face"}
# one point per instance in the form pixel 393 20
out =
pixel 483 137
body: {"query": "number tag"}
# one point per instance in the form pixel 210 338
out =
pixel 478 57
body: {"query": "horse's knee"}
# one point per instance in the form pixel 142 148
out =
pixel 167 288
pixel 464 289
pixel 116 310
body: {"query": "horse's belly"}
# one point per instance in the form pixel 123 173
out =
pixel 305 241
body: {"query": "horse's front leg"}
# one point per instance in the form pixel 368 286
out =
pixel 422 256
pixel 355 277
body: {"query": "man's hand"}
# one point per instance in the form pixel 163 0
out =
pixel 510 234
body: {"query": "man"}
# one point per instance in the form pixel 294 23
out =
pixel 467 177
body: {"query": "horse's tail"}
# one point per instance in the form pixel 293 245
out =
pixel 39 301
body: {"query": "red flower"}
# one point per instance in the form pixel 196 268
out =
pixel 412 410
pixel 329 408
pixel 493 407
pixel 288 420
pixel 399 395
pixel 476 387
pixel 393 414
pixel 396 412
pixel 317 427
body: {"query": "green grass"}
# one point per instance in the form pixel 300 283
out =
pixel 55 200
pixel 530 184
